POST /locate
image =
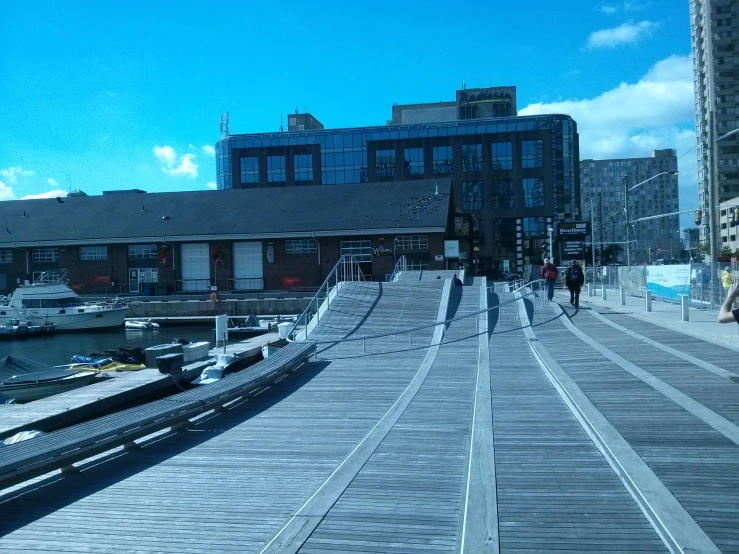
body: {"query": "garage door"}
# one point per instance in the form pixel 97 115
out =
pixel 195 264
pixel 248 269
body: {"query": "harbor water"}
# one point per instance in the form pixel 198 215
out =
pixel 59 348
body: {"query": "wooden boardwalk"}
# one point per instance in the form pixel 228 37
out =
pixel 595 434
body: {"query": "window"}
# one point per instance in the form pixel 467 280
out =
pixel 502 193
pixel 88 253
pixel 472 195
pixel 361 249
pixel 533 193
pixel 467 112
pixel 303 167
pixel 47 276
pixel 44 255
pixel 6 256
pixel 417 265
pixel 478 231
pixel 442 160
pixel 471 157
pixel 147 274
pixel 142 251
pixel 411 242
pixel 534 227
pixel 461 226
pixel 502 155
pixel 532 153
pixel 276 169
pixel 385 163
pixel 249 169
pixel 413 158
pixel 300 246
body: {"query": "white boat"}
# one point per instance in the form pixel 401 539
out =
pixel 53 302
pixel 26 380
pixel 272 347
pixel 139 324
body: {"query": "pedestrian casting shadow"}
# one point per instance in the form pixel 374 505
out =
pixel 23 506
pixel 455 297
pixel 493 315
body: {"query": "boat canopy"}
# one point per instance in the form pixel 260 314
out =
pixel 15 370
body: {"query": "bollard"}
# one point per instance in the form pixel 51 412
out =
pixel 622 294
pixel 684 307
pixel 649 301
pixel 603 294
pixel 221 330
pixel 590 289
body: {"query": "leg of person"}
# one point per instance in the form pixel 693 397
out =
pixel 572 295
pixel 550 290
pixel 577 296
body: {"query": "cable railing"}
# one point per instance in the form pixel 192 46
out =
pixel 346 269
pixel 400 265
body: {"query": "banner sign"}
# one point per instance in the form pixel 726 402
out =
pixel 451 249
pixel 574 229
pixel 668 281
pixel 573 250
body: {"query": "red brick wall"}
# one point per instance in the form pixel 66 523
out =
pixel 289 270
pixel 94 275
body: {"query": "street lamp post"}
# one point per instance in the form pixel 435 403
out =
pixel 627 190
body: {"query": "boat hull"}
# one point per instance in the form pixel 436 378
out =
pixel 27 392
pixel 82 318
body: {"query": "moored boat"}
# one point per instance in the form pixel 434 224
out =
pixel 51 301
pixel 141 324
pixel 26 380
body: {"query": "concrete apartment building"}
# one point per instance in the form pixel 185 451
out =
pixel 602 193
pixel 715 40
pixel 729 225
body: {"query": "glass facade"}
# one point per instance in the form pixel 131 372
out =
pixel 413 161
pixel 471 158
pixel 443 161
pixel 249 169
pixel 303 167
pixel 276 169
pixel 385 164
pixel 503 169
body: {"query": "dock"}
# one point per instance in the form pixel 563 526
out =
pixel 118 391
pixel 513 426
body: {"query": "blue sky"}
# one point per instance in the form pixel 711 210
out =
pixel 127 95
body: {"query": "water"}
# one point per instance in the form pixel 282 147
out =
pixel 59 348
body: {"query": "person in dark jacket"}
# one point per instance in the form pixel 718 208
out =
pixel 456 281
pixel 549 273
pixel 574 280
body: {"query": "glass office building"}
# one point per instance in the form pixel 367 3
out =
pixel 511 176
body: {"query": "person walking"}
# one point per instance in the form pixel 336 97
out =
pixel 574 280
pixel 726 280
pixel 549 273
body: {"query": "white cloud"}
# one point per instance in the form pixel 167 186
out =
pixel 49 194
pixel 52 182
pixel 211 185
pixel 182 166
pixel 623 34
pixel 12 174
pixel 6 193
pixel 610 8
pixel 633 119
pixel 209 150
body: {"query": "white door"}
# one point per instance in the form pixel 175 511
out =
pixel 248 268
pixel 195 264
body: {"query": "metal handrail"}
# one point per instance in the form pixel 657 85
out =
pixel 428 325
pixel 346 269
pixel 400 265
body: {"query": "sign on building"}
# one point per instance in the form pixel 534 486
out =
pixel 574 229
pixel 573 250
pixel 451 249
pixel 668 281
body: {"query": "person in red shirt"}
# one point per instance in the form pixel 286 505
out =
pixel 549 273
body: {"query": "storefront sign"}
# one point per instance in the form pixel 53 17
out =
pixel 574 229
pixel 668 281
pixel 451 249
pixel 382 251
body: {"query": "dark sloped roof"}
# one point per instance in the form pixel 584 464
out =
pixel 272 211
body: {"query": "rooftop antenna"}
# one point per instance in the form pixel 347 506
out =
pixel 224 124
pixel 296 110
pixel 282 127
pixel 464 84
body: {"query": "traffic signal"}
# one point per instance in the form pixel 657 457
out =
pixel 698 216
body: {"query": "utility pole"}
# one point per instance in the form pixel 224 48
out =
pixel 626 210
pixel 592 232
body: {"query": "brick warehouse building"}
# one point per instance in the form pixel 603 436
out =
pixel 512 176
pixel 240 240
